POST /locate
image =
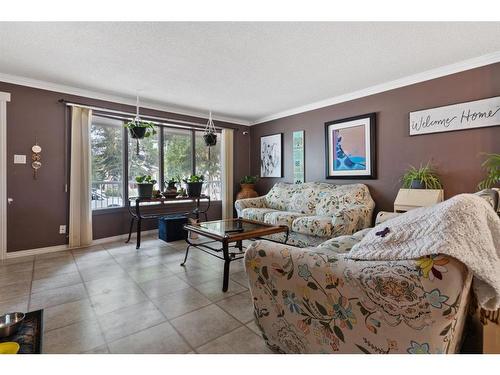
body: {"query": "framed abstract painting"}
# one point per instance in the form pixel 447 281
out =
pixel 350 148
pixel 271 162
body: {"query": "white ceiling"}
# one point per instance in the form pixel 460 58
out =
pixel 244 71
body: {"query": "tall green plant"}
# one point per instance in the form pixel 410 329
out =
pixel 424 174
pixel 492 166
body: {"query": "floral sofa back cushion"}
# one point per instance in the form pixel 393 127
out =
pixel 316 198
pixel 331 201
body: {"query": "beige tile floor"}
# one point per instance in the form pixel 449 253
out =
pixel 112 298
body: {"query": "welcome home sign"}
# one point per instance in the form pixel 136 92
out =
pixel 477 114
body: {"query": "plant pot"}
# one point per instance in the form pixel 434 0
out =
pixel 193 189
pixel 171 186
pixel 145 190
pixel 137 132
pixel 247 191
pixel 417 184
pixel 210 139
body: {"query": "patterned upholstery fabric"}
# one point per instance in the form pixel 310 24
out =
pixel 312 210
pixel 282 218
pixel 317 301
pixel 320 226
pixel 257 214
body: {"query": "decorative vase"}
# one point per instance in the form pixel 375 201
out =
pixel 247 191
pixel 193 189
pixel 145 190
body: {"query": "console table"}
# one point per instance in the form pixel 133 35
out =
pixel 135 205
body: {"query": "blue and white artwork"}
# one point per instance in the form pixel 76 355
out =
pixel 350 147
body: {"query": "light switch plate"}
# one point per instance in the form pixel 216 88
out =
pixel 19 159
pixel 62 229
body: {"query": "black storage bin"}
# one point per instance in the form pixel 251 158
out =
pixel 170 228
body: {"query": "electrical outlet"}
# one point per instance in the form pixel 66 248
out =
pixel 62 229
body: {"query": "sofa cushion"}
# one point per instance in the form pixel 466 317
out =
pixel 280 195
pixel 254 213
pixel 320 226
pixel 332 200
pixel 303 201
pixel 281 218
pixel 343 244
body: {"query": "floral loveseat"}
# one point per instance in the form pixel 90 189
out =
pixel 318 301
pixel 314 212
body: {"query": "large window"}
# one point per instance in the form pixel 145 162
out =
pixel 177 153
pixel 107 163
pixel 147 162
pixel 171 153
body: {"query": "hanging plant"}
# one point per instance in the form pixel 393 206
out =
pixel 210 135
pixel 139 129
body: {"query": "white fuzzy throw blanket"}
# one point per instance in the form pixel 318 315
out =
pixel 464 227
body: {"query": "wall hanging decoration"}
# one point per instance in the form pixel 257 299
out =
pixel 463 116
pixel 36 158
pixel 210 136
pixel 350 148
pixel 271 164
pixel 298 157
pixel 139 129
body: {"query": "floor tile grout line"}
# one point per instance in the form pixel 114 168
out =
pixel 31 283
pixel 161 312
pixel 92 307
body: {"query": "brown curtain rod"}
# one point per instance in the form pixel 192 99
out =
pixel 166 121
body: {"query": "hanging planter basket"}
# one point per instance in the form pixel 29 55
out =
pixel 210 139
pixel 137 132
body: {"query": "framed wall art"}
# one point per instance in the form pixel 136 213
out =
pixel 299 176
pixel 271 161
pixel 350 148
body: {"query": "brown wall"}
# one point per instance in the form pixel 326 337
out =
pixel 41 205
pixel 456 155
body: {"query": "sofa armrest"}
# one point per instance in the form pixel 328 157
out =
pixel 351 219
pixel 241 204
pixel 318 301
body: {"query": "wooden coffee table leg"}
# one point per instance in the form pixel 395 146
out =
pixel 227 261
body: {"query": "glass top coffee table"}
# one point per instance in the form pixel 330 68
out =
pixel 229 234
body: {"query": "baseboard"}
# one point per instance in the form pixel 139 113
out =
pixel 53 249
pixel 100 241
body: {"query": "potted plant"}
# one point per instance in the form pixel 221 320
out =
pixel 210 135
pixel 145 186
pixel 140 129
pixel 492 166
pixel 172 182
pixel 247 184
pixel 421 178
pixel 194 183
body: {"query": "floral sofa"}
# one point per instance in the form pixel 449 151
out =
pixel 314 212
pixel 318 301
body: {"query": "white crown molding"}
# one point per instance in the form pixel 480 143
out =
pixel 44 85
pixel 406 81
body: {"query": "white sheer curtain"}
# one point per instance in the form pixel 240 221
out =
pixel 80 211
pixel 227 173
